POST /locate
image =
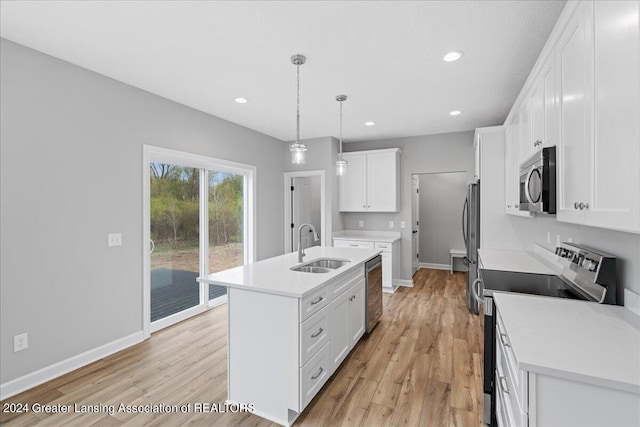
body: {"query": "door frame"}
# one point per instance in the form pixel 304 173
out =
pixel 287 206
pixel 152 153
pixel 415 220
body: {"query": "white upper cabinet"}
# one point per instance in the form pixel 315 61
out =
pixel 583 96
pixel 599 181
pixel 614 199
pixel 524 125
pixel 371 182
pixel 353 185
pixel 575 69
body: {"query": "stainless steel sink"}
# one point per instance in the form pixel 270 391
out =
pixel 321 265
pixel 328 263
pixel 311 269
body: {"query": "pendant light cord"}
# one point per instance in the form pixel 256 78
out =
pixel 340 130
pixel 298 105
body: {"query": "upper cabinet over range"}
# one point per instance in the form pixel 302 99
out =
pixel 371 182
pixel 583 96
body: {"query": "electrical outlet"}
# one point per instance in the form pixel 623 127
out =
pixel 390 224
pixel 402 224
pixel 114 239
pixel 569 239
pixel 20 342
pixel 361 223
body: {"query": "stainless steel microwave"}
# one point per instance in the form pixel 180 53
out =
pixel 538 182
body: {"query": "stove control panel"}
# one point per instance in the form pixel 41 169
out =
pixel 593 270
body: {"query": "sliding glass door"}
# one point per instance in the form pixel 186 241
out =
pixel 175 236
pixel 199 220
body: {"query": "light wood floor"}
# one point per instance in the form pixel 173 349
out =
pixel 421 366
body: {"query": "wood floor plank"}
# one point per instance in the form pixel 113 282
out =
pixel 355 406
pixel 422 365
pixel 436 409
pixel 377 415
pixel 463 386
pixel 408 409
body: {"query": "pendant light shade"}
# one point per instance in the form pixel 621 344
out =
pixel 341 164
pixel 297 148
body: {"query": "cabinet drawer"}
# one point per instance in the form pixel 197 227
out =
pixel 516 379
pixel 383 246
pixel 345 283
pixel 313 376
pixel 314 334
pixel 353 244
pixel 313 303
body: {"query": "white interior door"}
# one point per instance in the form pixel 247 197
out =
pixel 415 224
pixel 301 210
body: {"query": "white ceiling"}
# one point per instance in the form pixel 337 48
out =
pixel 385 56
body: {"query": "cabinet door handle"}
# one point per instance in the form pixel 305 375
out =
pixel 317 333
pixel 503 339
pixel 576 206
pixel 320 371
pixel 583 205
pixel 364 206
pixel 320 298
pixel 355 246
pixel 503 385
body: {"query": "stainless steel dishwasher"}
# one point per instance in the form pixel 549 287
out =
pixel 373 269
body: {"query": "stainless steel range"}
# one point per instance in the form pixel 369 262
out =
pixel 588 274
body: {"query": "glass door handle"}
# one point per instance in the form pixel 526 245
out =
pixel 153 246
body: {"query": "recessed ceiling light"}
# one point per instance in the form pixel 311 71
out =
pixel 453 56
pixel 455 113
pixel 369 123
pixel 241 100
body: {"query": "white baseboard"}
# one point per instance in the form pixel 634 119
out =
pixel 25 382
pixel 435 266
pixel 632 301
pixel 405 283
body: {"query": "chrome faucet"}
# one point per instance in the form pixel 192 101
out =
pixel 315 239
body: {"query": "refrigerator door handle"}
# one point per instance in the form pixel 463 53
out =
pixel 464 223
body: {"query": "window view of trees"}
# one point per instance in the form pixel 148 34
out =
pixel 175 218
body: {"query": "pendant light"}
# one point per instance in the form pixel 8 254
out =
pixel 297 148
pixel 341 164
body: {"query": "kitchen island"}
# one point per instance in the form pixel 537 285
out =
pixel 289 330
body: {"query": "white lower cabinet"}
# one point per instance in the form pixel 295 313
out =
pixel 390 258
pixel 531 399
pixel 281 349
pixel 347 322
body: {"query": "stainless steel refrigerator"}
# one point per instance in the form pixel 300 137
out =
pixel 471 235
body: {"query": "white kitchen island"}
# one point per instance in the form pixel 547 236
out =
pixel 288 331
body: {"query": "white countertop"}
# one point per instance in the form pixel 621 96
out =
pixel 578 340
pixel 520 261
pixel 274 276
pixel 368 236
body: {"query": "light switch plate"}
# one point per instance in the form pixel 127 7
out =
pixel 390 224
pixel 114 239
pixel 361 223
pixel 402 224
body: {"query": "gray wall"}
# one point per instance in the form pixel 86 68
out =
pixel 449 152
pixel 442 197
pixel 71 170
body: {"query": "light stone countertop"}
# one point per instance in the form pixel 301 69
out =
pixel 368 236
pixel 519 261
pixel 578 340
pixel 274 275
